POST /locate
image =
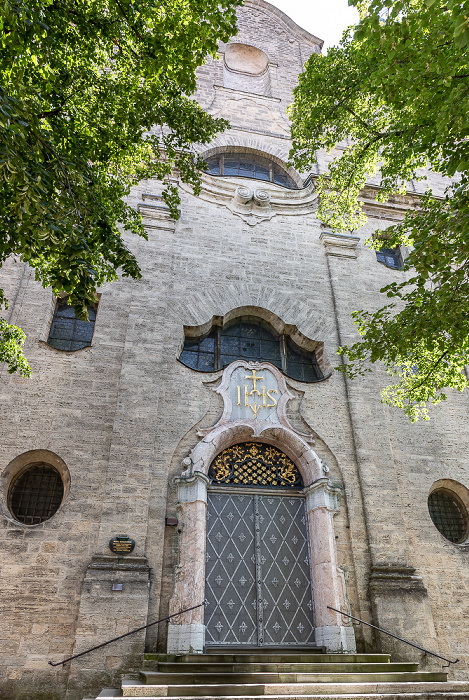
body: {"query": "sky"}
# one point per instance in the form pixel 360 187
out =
pixel 326 19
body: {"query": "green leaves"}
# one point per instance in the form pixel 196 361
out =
pixel 398 92
pixel 94 97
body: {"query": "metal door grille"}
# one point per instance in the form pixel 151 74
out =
pixel 258 585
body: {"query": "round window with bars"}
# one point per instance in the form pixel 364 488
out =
pixel 449 515
pixel 36 494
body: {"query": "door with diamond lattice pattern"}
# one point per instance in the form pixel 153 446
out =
pixel 258 582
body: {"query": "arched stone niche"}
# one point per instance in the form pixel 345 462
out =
pixel 186 633
pixel 246 68
pixel 246 59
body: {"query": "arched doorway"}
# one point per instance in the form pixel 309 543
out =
pixel 258 570
pixel 266 425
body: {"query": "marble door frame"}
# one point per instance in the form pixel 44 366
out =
pixel 186 633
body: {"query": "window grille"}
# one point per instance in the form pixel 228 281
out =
pixel 68 332
pixel 449 515
pixel 36 494
pixel 249 165
pixel 391 257
pixel 255 464
pixel 249 340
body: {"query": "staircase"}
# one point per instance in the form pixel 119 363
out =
pixel 287 675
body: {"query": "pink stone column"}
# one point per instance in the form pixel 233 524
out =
pixel 322 502
pixel 186 633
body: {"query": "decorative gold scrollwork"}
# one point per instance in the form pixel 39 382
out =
pixel 255 464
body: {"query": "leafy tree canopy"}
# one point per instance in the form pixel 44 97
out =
pixel 397 89
pixel 94 96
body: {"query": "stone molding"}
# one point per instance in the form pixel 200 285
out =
pixel 322 494
pixel 192 488
pixel 339 245
pixel 288 24
pixel 123 563
pixel 257 204
pixel 156 215
pixel 279 415
pixel 243 93
pixel 397 578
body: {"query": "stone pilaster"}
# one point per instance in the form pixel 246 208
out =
pixel 322 503
pixel 400 602
pixel 114 601
pixel 186 633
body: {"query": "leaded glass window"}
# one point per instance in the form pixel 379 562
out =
pixel 249 340
pixel 391 257
pixel 301 365
pixel 36 494
pixel 68 332
pixel 255 464
pixel 200 353
pixel 249 165
pixel 449 515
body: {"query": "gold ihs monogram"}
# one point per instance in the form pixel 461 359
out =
pixel 262 394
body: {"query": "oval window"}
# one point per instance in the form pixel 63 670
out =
pixel 36 494
pixel 449 515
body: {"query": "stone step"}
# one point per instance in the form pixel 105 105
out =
pixel 253 657
pixel 184 667
pixel 205 679
pixel 278 691
pixel 111 694
pixel 268 649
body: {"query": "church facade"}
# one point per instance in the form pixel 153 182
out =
pixel 193 447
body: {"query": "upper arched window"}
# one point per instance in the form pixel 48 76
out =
pixel 249 165
pixel 391 257
pixel 68 332
pixel 249 339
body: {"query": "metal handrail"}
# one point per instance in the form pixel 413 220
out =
pixel 406 641
pixel 115 639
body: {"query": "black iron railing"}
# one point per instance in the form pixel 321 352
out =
pixel 401 639
pixel 115 639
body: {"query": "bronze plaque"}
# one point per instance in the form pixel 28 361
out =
pixel 121 544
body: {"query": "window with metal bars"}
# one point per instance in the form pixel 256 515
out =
pixel 449 515
pixel 249 340
pixel 36 494
pixel 249 165
pixel 67 332
pixel 391 257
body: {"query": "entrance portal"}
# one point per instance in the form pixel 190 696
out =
pixel 258 571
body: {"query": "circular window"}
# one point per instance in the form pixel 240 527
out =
pixel 36 494
pixel 449 515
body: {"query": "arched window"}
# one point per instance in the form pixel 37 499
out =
pixel 391 257
pixel 68 332
pixel 249 339
pixel 249 165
